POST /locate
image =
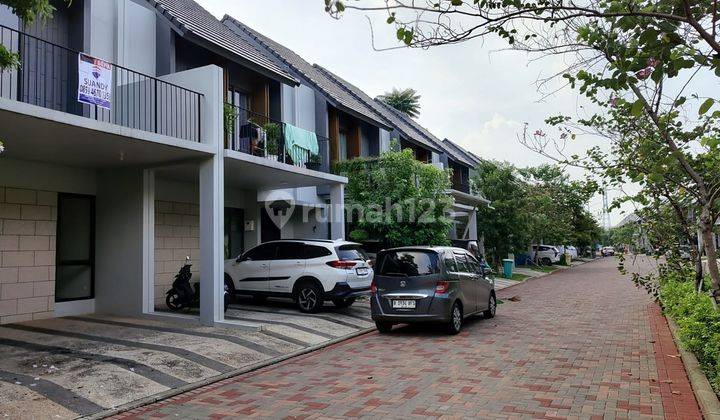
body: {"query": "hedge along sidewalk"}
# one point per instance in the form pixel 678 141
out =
pixel 706 397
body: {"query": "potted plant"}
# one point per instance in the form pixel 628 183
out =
pixel 272 132
pixel 313 162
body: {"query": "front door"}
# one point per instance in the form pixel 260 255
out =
pixel 269 231
pixel 234 232
pixel 75 271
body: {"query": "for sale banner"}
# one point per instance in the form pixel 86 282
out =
pixel 94 81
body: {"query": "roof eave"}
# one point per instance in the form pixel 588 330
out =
pixel 187 33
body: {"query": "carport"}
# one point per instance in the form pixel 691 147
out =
pixel 261 200
pixel 83 365
pixel 53 160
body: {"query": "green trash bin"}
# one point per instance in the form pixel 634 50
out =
pixel 508 268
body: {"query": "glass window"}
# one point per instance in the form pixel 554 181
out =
pixel 351 253
pixel 462 263
pixel 408 263
pixel 450 264
pixel 314 251
pixel 75 248
pixel 290 251
pixel 472 264
pixel 262 252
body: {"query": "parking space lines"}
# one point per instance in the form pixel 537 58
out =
pixel 238 315
pixel 110 361
pixel 284 337
pixel 53 392
pixel 328 318
pixel 105 384
pixel 127 364
pixel 183 353
pixel 185 331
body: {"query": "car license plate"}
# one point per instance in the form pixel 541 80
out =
pixel 362 271
pixel 403 304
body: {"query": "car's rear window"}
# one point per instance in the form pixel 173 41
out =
pixel 408 263
pixel 351 253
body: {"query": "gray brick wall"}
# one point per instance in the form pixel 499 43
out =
pixel 177 234
pixel 27 254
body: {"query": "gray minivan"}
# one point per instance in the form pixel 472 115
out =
pixel 430 284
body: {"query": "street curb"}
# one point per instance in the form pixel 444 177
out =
pixel 706 397
pixel 209 381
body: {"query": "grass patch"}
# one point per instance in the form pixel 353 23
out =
pixel 517 277
pixel 542 268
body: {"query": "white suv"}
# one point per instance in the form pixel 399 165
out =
pixel 547 254
pixel 309 271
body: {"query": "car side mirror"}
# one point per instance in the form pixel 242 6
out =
pixel 240 258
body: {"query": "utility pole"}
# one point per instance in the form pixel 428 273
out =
pixel 606 210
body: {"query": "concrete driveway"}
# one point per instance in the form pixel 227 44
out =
pixel 75 366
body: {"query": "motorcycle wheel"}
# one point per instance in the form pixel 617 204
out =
pixel 173 302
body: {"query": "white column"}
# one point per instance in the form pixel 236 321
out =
pixel 337 211
pixel 209 81
pixel 148 295
pixel 211 240
pixel 472 225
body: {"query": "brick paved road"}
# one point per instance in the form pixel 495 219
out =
pixel 579 344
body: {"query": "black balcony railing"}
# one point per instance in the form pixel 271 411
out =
pixel 259 135
pixel 47 76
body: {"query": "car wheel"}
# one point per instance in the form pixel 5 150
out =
pixel 230 288
pixel 546 261
pixel 309 298
pixel 383 327
pixel 456 319
pixel 492 307
pixel 172 301
pixel 343 303
pixel 226 302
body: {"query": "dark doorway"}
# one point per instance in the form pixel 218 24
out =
pixel 269 231
pixel 234 232
pixel 75 260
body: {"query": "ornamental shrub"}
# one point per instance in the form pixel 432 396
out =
pixel 698 322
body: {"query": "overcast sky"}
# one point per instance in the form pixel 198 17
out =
pixel 472 93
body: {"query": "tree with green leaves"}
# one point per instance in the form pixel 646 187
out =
pixel 533 205
pixel 404 100
pixel 397 200
pixel 555 207
pixel 28 11
pixel 503 225
pixel 642 58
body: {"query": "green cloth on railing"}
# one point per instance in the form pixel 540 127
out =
pixel 300 144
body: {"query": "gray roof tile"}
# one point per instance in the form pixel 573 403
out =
pixel 319 79
pixel 188 16
pixel 468 156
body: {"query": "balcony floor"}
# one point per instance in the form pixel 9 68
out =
pixel 38 134
pixel 244 170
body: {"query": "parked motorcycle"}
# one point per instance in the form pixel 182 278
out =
pixel 184 296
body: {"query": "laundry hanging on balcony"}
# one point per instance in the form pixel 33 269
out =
pixel 300 144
